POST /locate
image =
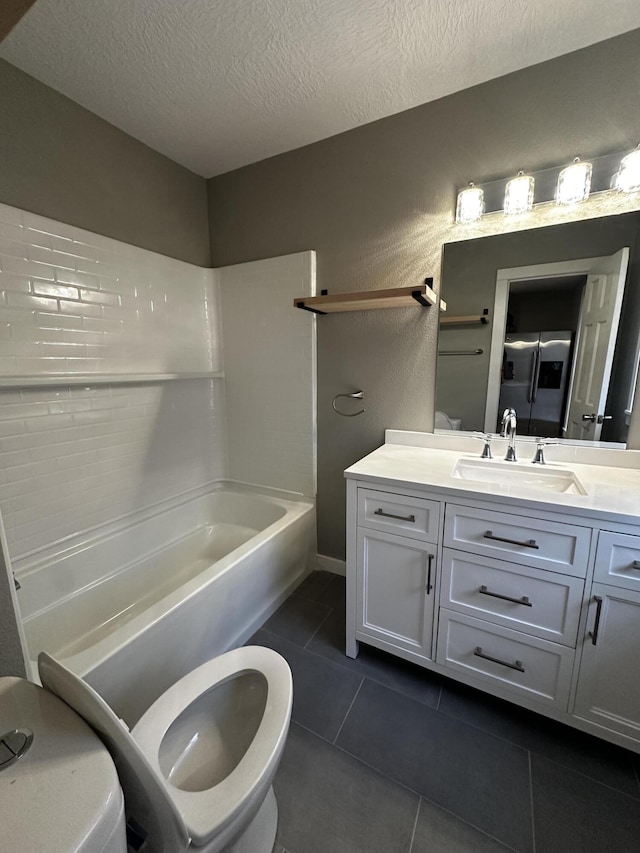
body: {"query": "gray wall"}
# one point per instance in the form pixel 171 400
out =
pixel 377 202
pixel 59 160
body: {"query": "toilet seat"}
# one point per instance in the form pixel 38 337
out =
pixel 174 819
pixel 209 812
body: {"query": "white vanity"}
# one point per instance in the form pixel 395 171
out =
pixel 518 579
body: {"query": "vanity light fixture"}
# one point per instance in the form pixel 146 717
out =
pixel 518 197
pixel 574 183
pixel 627 178
pixel 470 205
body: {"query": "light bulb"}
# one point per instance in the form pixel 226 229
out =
pixel 518 197
pixel 627 179
pixel 470 205
pixel 574 183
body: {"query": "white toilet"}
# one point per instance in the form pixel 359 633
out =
pixel 196 769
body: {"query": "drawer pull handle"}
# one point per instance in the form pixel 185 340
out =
pixel 410 518
pixel 429 567
pixel 524 600
pixel 480 654
pixel 596 625
pixel 635 564
pixel 530 543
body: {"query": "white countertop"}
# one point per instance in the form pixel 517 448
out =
pixel 426 461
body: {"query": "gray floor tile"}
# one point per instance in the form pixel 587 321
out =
pixel 574 749
pixel 482 779
pixel 322 691
pixel 574 814
pixel 298 619
pixel 330 803
pixel 323 587
pixel 438 831
pixel 408 678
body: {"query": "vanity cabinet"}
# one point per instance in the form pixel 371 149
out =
pixel 541 608
pixel 609 687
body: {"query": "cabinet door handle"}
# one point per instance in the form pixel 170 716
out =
pixel 529 543
pixel 410 518
pixel 635 564
pixel 480 654
pixel 596 625
pixel 429 567
pixel 523 600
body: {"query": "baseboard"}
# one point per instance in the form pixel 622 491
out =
pixel 330 564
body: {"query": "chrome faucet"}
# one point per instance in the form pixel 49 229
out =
pixel 509 424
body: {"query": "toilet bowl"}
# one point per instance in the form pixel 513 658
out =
pixel 196 769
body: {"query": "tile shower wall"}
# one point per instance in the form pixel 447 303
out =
pixel 72 301
pixel 270 369
pixel 74 456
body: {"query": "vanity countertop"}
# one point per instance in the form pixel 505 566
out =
pixel 425 461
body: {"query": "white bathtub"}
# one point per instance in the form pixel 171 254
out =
pixel 137 607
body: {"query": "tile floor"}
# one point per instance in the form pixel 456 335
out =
pixel 385 757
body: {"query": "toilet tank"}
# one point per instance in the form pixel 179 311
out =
pixel 59 789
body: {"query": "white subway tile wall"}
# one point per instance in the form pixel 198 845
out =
pixel 74 457
pixel 270 369
pixel 76 302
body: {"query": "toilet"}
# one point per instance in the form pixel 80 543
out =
pixel 196 769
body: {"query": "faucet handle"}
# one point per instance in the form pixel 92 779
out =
pixel 541 443
pixel 486 450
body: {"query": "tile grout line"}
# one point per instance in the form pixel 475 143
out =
pixel 415 825
pixel 348 711
pixel 533 820
pixel 318 628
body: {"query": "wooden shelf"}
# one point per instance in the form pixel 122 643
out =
pixel 466 319
pixel 62 379
pixel 368 300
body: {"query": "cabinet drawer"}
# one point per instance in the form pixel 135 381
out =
pixel 618 560
pixel 527 541
pixel 509 660
pixel 413 517
pixel 544 604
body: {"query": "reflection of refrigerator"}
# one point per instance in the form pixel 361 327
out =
pixel 535 374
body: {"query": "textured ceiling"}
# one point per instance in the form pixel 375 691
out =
pixel 217 84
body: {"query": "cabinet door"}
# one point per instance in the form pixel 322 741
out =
pixel 608 686
pixel 395 591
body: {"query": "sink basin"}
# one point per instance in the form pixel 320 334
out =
pixel 526 476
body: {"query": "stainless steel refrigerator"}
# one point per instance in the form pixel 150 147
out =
pixel 536 367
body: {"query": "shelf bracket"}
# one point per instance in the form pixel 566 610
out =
pixel 307 308
pixel 419 297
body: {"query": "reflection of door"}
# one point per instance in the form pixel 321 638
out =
pixel 595 343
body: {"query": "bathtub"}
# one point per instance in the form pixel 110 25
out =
pixel 136 607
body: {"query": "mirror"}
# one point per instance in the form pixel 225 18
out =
pixel 546 321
